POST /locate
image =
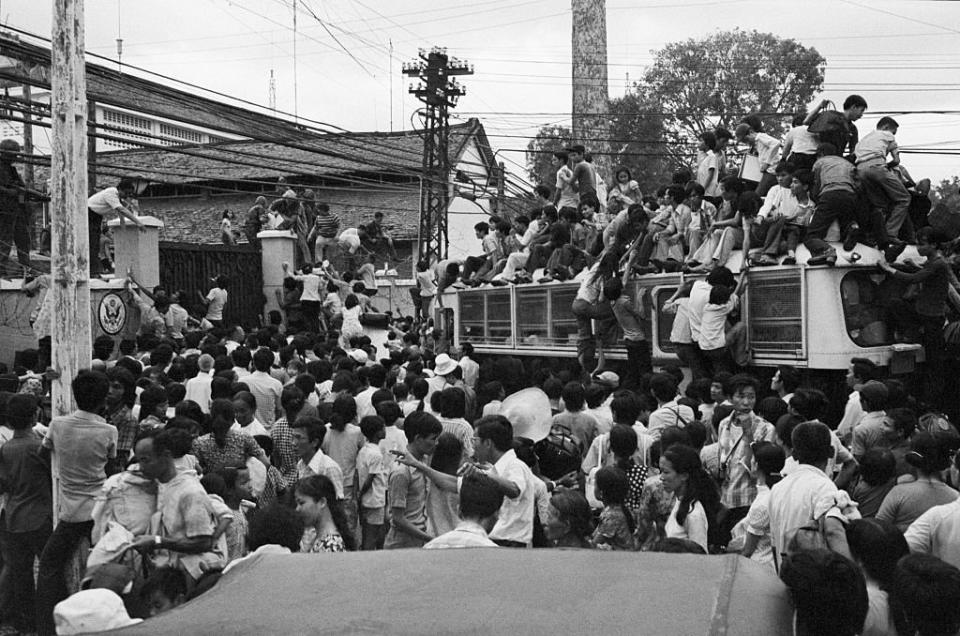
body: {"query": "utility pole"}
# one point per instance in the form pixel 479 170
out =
pixel 439 91
pixel 591 121
pixel 28 160
pixel 69 269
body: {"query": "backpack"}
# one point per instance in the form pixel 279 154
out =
pixel 828 122
pixel 559 452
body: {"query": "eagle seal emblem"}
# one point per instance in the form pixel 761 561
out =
pixel 112 314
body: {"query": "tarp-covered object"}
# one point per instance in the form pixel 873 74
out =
pixel 487 591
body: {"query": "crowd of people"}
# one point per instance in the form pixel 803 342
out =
pixel 198 445
pixel 184 459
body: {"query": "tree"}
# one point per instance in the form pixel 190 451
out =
pixel 540 149
pixel 638 140
pixel 948 193
pixel 716 80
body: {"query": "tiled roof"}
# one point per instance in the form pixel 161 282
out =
pixel 394 154
pixel 196 219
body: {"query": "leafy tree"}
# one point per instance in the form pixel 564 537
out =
pixel 716 80
pixel 948 193
pixel 639 140
pixel 540 149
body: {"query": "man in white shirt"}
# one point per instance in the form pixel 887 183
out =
pixel 514 527
pixel 806 494
pixel 668 412
pixel 308 433
pixel 566 196
pixel 937 532
pixel 471 370
pixel 699 298
pixel 198 388
pixel 480 502
pixel 374 376
pixel 100 204
pixel 861 371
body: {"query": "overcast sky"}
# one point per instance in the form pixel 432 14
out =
pixel 901 56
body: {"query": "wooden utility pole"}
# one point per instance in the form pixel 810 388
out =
pixel 591 120
pixel 69 267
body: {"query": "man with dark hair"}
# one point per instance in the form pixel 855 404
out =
pixel 669 412
pixel 14 213
pixel 584 180
pixel 276 529
pixel 265 388
pixel 480 502
pixel 186 521
pixel 27 522
pixel 846 133
pixel 807 493
pixel 631 322
pixel 108 201
pixel 927 592
pixel 785 381
pixel 809 405
pixel 829 593
pixel 494 446
pixel 81 444
pixel 860 371
pixel 835 191
pixel 565 196
pixel 580 425
pixel 407 484
pixel 885 189
pixel 476 266
pixel 308 433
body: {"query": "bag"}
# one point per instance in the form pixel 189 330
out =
pixel 750 168
pixel 559 452
pixel 829 122
pixel 809 536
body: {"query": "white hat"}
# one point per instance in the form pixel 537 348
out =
pixel 359 356
pixel 608 378
pixel 87 611
pixel 444 364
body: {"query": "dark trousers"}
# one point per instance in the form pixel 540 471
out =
pixel 373 534
pixel 14 230
pixel 832 206
pixel 473 264
pixel 638 362
pixel 311 312
pixel 804 162
pixel 585 313
pixel 51 580
pixel 690 355
pixel 19 551
pixel 504 543
pixel 93 233
pixel 720 360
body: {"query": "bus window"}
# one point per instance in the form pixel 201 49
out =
pixel 863 310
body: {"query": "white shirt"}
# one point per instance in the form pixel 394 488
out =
pixel 699 297
pixel 516 515
pixel 217 298
pixel 105 201
pixel 471 372
pixel 311 287
pixel 937 532
pixel 800 497
pixel 852 414
pixel 467 534
pixel 680 331
pixel 804 142
pixel 713 323
pixel 266 390
pixel 694 526
pixel 198 390
pixel 670 414
pixel 252 429
pixel 364 400
pixel 321 464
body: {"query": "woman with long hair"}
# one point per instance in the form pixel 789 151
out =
pixel 223 447
pixel 324 522
pixel 697 496
pixel 418 390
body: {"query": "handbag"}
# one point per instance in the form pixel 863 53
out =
pixel 750 168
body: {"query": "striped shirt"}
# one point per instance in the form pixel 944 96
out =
pixel 327 224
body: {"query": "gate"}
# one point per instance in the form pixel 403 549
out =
pixel 191 267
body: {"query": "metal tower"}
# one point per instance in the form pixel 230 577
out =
pixel 439 92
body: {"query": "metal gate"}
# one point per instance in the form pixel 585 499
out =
pixel 190 267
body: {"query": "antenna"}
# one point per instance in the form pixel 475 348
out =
pixel 273 92
pixel 391 84
pixel 119 41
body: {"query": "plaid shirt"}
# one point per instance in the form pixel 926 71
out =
pixel 126 426
pixel 234 452
pixel 284 450
pixel 739 488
